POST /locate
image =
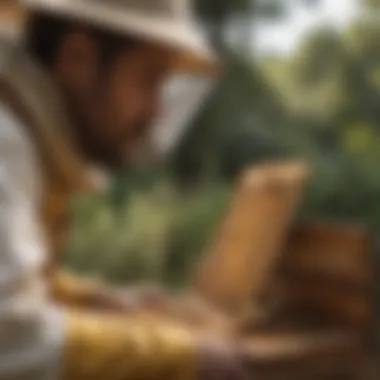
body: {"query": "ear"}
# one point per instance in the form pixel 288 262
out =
pixel 77 61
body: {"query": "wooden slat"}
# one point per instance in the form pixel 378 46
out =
pixel 333 304
pixel 336 245
pixel 346 273
pixel 247 246
pixel 297 345
pixel 351 265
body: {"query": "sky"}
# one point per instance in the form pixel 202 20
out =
pixel 283 37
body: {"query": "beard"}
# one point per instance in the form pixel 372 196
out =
pixel 139 147
pixel 101 140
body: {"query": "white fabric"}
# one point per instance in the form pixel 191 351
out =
pixel 183 97
pixel 31 328
pixel 176 28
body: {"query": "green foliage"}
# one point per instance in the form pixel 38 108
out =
pixel 153 235
pixel 331 91
pixel 196 223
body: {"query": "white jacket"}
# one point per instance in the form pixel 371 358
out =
pixel 31 328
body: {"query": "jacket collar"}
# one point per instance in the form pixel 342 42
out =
pixel 42 101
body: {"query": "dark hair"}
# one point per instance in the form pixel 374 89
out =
pixel 46 32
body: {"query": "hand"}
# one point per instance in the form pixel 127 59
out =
pixel 149 298
pixel 196 312
pixel 130 301
pixel 108 301
pixel 220 361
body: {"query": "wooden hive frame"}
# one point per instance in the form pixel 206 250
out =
pixel 241 260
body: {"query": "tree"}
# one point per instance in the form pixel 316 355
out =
pixel 243 104
pixel 331 91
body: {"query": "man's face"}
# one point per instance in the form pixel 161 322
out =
pixel 113 105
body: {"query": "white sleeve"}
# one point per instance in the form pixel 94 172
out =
pixel 31 328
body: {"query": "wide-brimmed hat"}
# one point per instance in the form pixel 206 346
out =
pixel 166 22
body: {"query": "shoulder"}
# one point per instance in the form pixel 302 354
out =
pixel 12 129
pixel 18 157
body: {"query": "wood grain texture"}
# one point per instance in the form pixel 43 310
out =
pixel 240 263
pixel 329 271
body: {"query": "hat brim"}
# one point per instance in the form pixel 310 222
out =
pixel 194 55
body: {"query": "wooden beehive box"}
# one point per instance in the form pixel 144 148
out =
pixel 241 261
pixel 328 270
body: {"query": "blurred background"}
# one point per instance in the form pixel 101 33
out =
pixel 301 80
